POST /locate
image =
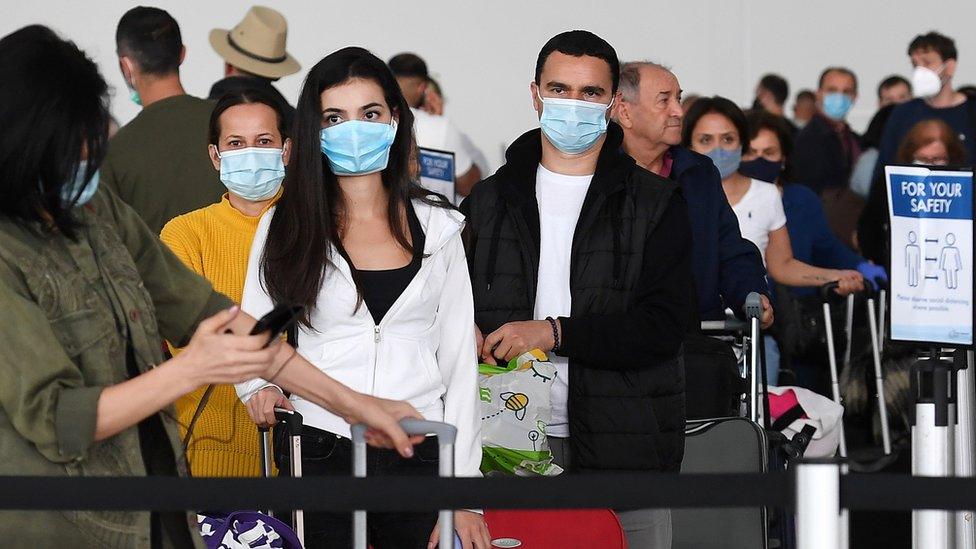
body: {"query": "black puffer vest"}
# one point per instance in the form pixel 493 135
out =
pixel 621 417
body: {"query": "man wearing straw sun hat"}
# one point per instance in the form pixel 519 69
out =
pixel 254 55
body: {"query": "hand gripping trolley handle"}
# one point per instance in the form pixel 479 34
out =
pixel 446 434
pixel 292 422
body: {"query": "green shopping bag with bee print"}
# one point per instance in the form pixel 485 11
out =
pixel 515 411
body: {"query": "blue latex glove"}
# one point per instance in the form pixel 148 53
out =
pixel 872 273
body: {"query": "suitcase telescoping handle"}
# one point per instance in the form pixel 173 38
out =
pixel 292 422
pixel 826 292
pixel 753 310
pixel 875 291
pixel 731 326
pixel 446 435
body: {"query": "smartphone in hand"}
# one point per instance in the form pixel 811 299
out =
pixel 277 321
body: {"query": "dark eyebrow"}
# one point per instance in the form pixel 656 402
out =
pixel 553 84
pixel 234 136
pixel 333 109
pixel 370 106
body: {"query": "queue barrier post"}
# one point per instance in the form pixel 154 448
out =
pixel 818 513
pixel 933 387
pixel 964 463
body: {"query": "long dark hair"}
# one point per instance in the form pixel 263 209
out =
pixel 305 223
pixel 53 106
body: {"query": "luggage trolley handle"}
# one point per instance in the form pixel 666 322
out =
pixel 827 291
pixel 872 292
pixel 292 422
pixel 732 326
pixel 753 310
pixel 877 289
pixel 446 435
pixel 826 295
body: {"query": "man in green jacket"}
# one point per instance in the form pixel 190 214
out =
pixel 158 162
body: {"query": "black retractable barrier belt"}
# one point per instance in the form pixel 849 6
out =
pixel 399 494
pixel 892 492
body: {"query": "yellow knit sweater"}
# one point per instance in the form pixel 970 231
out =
pixel 215 242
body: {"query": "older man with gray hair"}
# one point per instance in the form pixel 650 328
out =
pixel 726 266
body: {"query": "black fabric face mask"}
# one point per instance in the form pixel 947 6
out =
pixel 761 169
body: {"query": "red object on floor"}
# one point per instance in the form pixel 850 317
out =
pixel 563 529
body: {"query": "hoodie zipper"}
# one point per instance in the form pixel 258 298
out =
pixel 376 357
pixel 378 328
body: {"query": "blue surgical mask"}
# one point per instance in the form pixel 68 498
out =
pixel 836 105
pixel 761 169
pixel 727 161
pixel 78 185
pixel 573 126
pixel 357 147
pixel 134 96
pixel 254 173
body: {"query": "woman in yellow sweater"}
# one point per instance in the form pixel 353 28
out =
pixel 250 149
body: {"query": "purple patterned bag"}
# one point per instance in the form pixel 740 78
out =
pixel 246 530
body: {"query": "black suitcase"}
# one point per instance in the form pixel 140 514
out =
pixel 722 445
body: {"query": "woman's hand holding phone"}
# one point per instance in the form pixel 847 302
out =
pixel 214 355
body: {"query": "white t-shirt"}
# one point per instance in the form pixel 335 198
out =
pixel 437 132
pixel 560 201
pixel 760 211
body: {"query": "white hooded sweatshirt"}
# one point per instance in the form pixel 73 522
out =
pixel 423 350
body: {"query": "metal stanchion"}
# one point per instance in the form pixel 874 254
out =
pixel 932 384
pixel 964 465
pixel 818 505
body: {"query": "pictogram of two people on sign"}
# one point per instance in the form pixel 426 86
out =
pixel 949 261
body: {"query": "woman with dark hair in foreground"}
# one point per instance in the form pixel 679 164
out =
pixel 379 265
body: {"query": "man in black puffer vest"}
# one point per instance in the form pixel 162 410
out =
pixel 575 250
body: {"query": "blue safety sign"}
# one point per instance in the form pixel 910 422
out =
pixel 437 172
pixel 931 241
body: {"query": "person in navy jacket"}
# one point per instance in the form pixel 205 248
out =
pixel 726 266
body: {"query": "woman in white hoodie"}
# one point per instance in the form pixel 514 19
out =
pixel 379 265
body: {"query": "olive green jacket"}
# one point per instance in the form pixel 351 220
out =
pixel 72 311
